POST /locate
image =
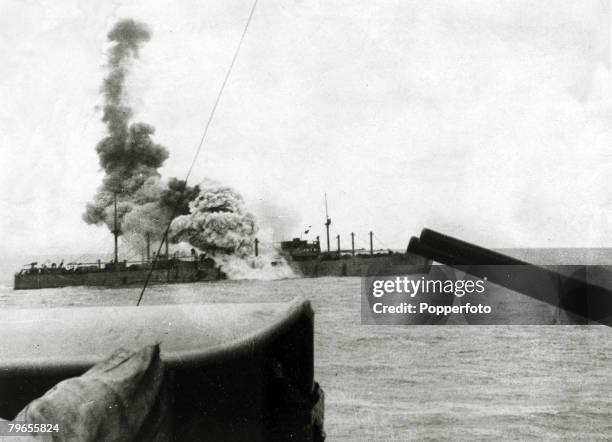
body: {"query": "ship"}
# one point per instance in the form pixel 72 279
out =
pixel 112 274
pixel 307 259
pixel 161 269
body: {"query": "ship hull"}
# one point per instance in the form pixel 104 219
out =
pixel 364 265
pixel 183 272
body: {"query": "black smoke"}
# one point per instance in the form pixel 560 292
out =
pixel 128 155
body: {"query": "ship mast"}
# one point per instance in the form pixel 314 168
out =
pixel 116 233
pixel 327 223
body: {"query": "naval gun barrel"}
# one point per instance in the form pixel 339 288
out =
pixel 580 299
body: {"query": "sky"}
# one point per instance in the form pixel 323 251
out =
pixel 486 120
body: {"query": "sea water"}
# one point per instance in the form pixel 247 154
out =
pixel 395 383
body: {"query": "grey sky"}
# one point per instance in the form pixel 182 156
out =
pixel 489 120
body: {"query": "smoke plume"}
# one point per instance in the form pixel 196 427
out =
pixel 129 156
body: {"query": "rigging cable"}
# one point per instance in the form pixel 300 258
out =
pixel 197 153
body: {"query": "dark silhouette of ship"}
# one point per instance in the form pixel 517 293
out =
pixel 307 259
pixel 162 268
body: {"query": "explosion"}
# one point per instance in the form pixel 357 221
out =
pixel 217 222
pixel 210 217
